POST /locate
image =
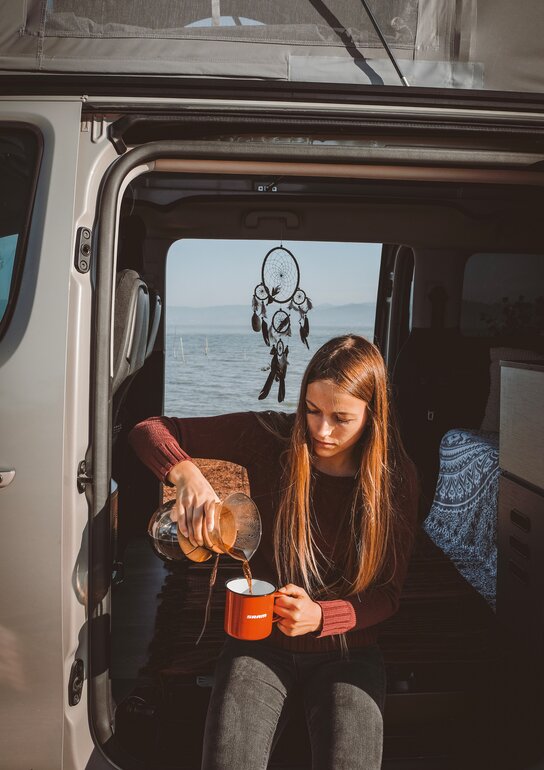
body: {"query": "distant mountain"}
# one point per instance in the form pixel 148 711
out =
pixel 355 314
pixel 345 316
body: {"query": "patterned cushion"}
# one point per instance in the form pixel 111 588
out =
pixel 491 419
pixel 463 517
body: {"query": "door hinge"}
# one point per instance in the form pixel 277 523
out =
pixel 83 477
pixel 83 249
pixel 75 683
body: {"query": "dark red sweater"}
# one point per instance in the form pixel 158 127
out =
pixel 241 438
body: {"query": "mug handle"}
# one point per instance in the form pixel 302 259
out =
pixel 275 618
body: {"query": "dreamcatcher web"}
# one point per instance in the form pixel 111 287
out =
pixel 280 274
pixel 280 278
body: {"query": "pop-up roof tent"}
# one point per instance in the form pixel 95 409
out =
pixel 471 44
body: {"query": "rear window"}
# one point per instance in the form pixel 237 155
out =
pixel 19 155
pixel 215 362
pixel 503 296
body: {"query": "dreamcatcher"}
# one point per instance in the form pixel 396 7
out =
pixel 280 277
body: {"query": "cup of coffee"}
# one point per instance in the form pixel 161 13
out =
pixel 249 615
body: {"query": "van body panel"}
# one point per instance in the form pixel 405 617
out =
pixel 42 520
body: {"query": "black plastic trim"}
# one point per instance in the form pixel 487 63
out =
pixel 151 124
pixel 127 86
pixel 399 312
pixel 383 304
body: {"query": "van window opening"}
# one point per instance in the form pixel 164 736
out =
pixel 503 295
pixel 19 158
pixel 8 247
pixel 215 362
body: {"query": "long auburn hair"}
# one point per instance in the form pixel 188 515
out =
pixel 375 520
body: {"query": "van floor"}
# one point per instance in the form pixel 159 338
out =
pixel 443 651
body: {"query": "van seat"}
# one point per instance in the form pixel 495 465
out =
pixel 131 326
pixel 137 316
pixel 440 381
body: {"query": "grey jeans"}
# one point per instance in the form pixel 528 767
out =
pixel 343 701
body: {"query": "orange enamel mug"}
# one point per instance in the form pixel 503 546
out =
pixel 250 616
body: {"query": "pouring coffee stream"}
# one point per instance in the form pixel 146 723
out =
pixel 236 533
pixel 247 574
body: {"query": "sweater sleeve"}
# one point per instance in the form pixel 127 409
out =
pixel 381 601
pixel 162 442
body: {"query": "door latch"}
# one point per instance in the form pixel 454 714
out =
pixel 83 477
pixel 83 250
pixel 75 683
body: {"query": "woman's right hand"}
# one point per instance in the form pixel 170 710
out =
pixel 195 503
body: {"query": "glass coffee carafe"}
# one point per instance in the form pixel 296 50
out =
pixel 237 532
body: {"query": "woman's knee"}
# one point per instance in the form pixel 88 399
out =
pixel 346 729
pixel 245 706
pixel 346 704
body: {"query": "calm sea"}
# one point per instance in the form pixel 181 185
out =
pixel 212 370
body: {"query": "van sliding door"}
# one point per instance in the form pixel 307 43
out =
pixel 44 429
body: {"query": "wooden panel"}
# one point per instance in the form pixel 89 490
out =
pixel 522 423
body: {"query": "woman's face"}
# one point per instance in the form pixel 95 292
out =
pixel 336 419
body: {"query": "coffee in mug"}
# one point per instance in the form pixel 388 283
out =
pixel 249 615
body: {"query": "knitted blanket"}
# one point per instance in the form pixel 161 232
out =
pixel 463 517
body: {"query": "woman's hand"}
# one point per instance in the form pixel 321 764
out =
pixel 299 614
pixel 195 503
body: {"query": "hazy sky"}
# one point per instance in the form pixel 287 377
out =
pixel 219 272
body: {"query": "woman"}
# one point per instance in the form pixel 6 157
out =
pixel 338 501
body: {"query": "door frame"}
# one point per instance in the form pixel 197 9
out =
pixel 205 157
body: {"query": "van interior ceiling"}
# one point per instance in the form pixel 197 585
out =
pixel 445 653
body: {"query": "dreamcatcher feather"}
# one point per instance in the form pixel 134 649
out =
pixel 280 278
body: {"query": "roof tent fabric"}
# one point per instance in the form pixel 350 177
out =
pixel 489 44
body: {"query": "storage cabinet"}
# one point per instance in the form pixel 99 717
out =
pixel 520 527
pixel 520 567
pixel 521 447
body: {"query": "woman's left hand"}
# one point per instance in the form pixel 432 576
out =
pixel 299 614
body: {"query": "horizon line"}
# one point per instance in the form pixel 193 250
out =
pixel 323 304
